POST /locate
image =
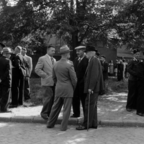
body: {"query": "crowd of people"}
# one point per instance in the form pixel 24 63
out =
pixel 67 84
pixel 15 72
pixel 119 69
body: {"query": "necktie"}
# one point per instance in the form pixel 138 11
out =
pixel 52 60
pixel 79 60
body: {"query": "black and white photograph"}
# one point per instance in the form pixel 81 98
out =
pixel 72 71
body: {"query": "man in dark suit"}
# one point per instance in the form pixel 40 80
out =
pixel 93 85
pixel 5 79
pixel 80 65
pixel 18 75
pixel 133 68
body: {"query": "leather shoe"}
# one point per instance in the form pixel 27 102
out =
pixel 13 106
pixel 130 110
pixel 50 126
pixel 140 114
pixel 81 127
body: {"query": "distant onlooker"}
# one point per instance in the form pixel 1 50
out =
pixel 111 67
pixel 120 70
pixel 105 72
pixel 124 68
pixel 104 68
pixel 18 75
pixel 29 67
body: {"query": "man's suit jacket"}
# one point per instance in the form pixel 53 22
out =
pixel 5 71
pixel 44 70
pixel 65 78
pixel 80 68
pixel 29 65
pixel 19 65
pixel 94 77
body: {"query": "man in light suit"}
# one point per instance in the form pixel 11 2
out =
pixel 93 85
pixel 65 78
pixel 44 70
pixel 29 67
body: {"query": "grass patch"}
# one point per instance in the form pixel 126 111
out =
pixel 36 92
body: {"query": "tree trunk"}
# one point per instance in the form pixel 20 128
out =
pixel 75 43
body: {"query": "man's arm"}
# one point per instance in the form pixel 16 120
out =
pixel 39 68
pixel 72 76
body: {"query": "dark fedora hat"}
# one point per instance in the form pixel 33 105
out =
pixel 2 45
pixel 90 48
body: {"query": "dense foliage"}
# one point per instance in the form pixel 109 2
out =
pixel 114 22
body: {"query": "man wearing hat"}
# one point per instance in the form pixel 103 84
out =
pixel 1 48
pixel 43 69
pixel 80 65
pixel 65 78
pixel 5 79
pixel 93 85
pixel 18 75
pixel 29 67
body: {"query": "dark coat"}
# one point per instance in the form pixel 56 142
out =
pixel 105 70
pixel 94 77
pixel 135 69
pixel 80 69
pixel 19 64
pixel 5 71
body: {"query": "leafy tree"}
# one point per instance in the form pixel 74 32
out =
pixel 130 24
pixel 76 21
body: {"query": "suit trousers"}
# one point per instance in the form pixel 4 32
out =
pixel 58 103
pixel 27 88
pixel 4 97
pixel 93 122
pixel 140 97
pixel 79 96
pixel 48 99
pixel 132 94
pixel 17 89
